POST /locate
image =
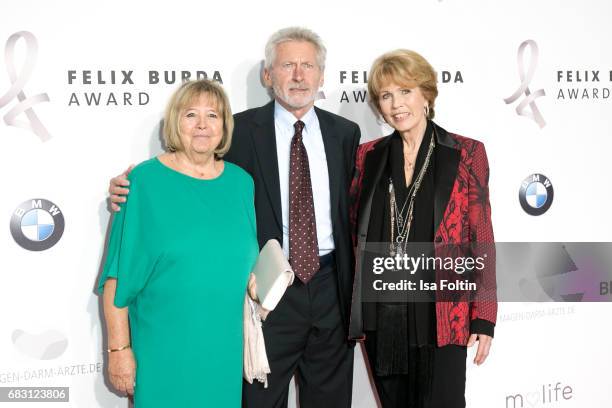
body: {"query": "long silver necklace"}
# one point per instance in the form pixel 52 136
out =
pixel 402 222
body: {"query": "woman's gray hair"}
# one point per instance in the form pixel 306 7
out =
pixel 295 34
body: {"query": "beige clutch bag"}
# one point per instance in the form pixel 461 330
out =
pixel 273 273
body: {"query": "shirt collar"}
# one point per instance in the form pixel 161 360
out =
pixel 287 119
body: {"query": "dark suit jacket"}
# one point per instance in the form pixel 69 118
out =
pixel 462 214
pixel 254 149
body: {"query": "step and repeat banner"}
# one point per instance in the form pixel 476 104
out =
pixel 82 92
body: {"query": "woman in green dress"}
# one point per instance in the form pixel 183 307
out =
pixel 179 257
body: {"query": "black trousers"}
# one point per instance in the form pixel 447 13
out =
pixel 305 335
pixel 447 382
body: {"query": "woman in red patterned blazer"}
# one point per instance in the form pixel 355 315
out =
pixel 421 184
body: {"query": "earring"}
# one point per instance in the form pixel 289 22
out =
pixel 426 109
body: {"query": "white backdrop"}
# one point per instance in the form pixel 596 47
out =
pixel 50 330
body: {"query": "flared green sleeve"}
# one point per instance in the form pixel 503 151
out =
pixel 129 258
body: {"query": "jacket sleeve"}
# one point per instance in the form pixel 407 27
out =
pixel 483 308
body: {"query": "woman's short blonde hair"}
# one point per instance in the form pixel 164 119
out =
pixel 405 68
pixel 183 97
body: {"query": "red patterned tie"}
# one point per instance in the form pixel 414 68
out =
pixel 303 247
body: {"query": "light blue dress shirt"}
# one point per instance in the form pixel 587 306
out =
pixel 317 161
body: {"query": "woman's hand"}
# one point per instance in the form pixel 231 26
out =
pixel 484 345
pixel 252 287
pixel 122 370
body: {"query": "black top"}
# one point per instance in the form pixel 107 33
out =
pixel 421 315
pixel 414 321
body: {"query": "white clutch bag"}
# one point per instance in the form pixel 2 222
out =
pixel 273 273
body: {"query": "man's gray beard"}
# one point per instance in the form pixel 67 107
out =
pixel 280 95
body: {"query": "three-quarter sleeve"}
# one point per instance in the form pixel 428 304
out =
pixel 129 259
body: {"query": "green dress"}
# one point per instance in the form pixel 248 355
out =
pixel 181 250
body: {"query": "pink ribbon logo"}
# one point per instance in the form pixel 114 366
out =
pixel 523 88
pixel 18 82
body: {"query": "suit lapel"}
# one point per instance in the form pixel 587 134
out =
pixel 446 166
pixel 264 142
pixel 333 155
pixel 373 168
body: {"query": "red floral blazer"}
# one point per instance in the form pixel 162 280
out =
pixel 462 214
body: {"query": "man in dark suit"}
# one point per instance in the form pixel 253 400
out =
pixel 307 331
pixel 301 159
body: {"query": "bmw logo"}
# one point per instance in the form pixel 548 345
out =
pixel 536 194
pixel 37 224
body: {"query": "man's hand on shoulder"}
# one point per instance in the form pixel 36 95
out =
pixel 118 189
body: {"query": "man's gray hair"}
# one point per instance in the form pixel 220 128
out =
pixel 295 34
